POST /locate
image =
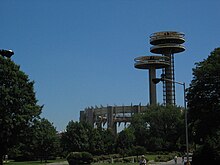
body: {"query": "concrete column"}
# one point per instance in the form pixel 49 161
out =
pixel 152 86
pixel 89 116
pixel 109 116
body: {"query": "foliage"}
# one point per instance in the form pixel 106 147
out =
pixel 109 141
pixel 209 152
pixel 125 142
pixel 96 145
pixel 163 158
pixel 101 141
pixel 140 129
pixel 18 104
pixel 81 136
pixel 138 150
pixel 41 141
pixel 159 128
pixel 105 158
pixel 204 108
pixel 76 137
pixel 204 97
pixel 46 140
pixel 75 158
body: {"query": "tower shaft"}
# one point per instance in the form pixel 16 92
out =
pixel 167 44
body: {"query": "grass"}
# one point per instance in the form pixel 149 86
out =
pixel 38 163
pixel 34 162
pixel 149 157
pixel 116 164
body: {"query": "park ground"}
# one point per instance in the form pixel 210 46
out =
pixel 171 162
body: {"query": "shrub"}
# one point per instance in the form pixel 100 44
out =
pixel 209 152
pixel 162 158
pixel 76 158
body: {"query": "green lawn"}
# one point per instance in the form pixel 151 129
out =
pixel 34 162
pixel 149 157
pixel 116 164
pixel 38 163
pixel 24 163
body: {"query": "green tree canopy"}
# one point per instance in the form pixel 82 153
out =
pixel 125 141
pixel 166 126
pixel 108 138
pixel 76 137
pixel 40 142
pixel 46 139
pixel 204 96
pixel 18 104
pixel 159 128
pixel 204 109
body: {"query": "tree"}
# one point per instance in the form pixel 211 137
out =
pixel 138 150
pixel 18 104
pixel 159 128
pixel 108 137
pixel 40 141
pixel 76 137
pixel 96 142
pixel 46 140
pixel 125 141
pixel 208 153
pixel 204 97
pixel 204 107
pixel 140 129
pixel 166 125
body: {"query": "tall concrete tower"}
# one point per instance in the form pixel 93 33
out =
pixel 167 43
pixel 152 63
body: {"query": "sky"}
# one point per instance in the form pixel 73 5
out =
pixel 80 53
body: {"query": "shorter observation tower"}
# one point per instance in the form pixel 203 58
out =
pixel 152 63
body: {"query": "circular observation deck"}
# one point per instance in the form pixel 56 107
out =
pixel 166 37
pixel 168 48
pixel 148 62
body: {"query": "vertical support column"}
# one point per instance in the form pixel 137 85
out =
pixel 109 117
pixel 168 84
pixel 90 116
pixel 152 86
pixel 82 116
pixel 110 121
pixel 139 108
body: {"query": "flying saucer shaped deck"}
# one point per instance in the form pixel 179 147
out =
pixel 167 37
pixel 147 62
pixel 168 48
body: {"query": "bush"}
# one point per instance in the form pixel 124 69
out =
pixel 76 158
pixel 162 158
pixel 208 153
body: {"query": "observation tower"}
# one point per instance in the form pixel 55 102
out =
pixel 152 63
pixel 167 43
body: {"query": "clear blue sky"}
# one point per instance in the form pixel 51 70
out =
pixel 80 52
